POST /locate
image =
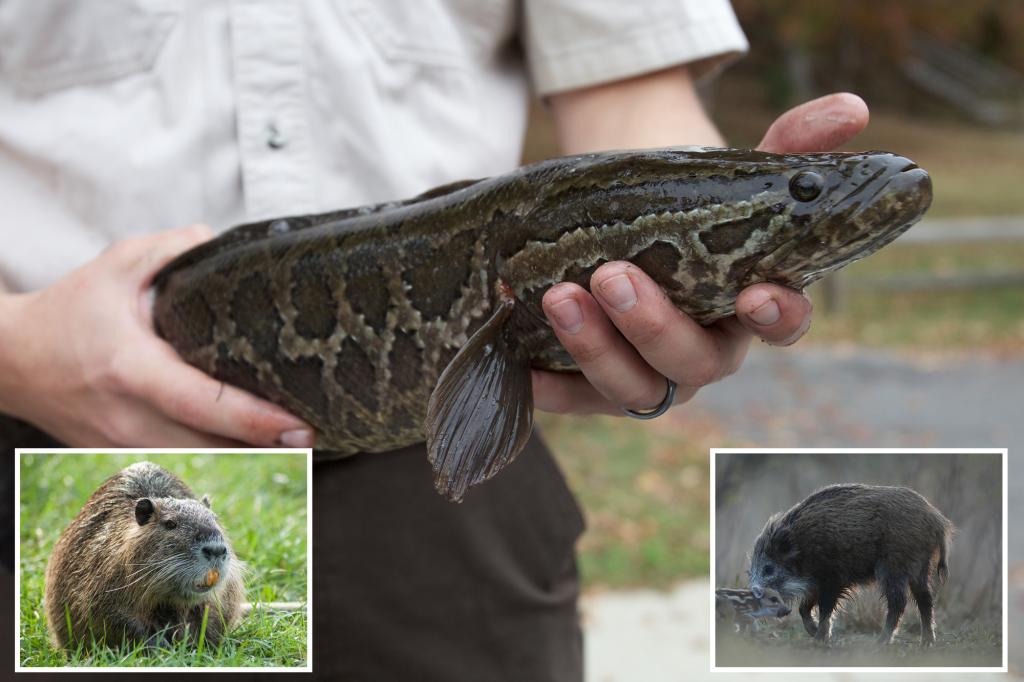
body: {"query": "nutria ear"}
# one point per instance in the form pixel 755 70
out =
pixel 144 510
pixel 206 501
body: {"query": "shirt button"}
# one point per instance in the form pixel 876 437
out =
pixel 275 140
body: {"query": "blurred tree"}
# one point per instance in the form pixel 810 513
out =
pixel 801 48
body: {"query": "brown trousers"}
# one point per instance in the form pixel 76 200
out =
pixel 408 586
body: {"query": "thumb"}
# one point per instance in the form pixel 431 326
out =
pixel 817 126
pixel 157 250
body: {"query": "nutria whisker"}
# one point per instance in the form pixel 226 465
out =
pixel 141 577
pixel 166 575
pixel 145 565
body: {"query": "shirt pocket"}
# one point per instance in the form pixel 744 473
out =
pixel 424 32
pixel 48 45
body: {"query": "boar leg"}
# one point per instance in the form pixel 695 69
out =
pixel 896 598
pixel 809 600
pixel 923 596
pixel 827 600
pixel 805 612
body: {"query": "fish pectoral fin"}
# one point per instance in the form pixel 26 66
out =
pixel 480 414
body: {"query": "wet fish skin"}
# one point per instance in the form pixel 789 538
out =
pixel 387 324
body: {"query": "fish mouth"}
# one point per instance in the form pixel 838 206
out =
pixel 899 203
pixel 896 205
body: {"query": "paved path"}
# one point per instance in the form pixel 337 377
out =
pixel 814 397
pixel 821 398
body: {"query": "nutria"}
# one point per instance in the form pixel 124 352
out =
pixel 851 534
pixel 140 563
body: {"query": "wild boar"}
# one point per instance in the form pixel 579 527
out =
pixel 851 534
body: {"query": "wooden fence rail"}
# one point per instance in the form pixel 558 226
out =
pixel 932 232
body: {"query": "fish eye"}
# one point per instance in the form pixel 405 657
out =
pixel 170 524
pixel 806 186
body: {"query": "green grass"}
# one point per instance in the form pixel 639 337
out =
pixel 991 318
pixel 644 490
pixel 261 499
pixel 980 320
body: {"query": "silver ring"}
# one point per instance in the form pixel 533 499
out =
pixel 670 397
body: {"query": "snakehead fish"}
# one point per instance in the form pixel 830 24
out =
pixel 385 325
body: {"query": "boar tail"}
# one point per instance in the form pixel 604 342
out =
pixel 942 570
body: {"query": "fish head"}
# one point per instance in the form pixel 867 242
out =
pixel 839 208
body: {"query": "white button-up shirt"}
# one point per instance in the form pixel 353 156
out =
pixel 122 117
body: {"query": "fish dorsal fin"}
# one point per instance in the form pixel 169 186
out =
pixel 441 190
pixel 480 414
pixel 256 232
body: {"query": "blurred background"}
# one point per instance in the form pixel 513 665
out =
pixel 966 488
pixel 919 345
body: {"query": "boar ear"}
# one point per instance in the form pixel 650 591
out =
pixel 206 501
pixel 144 511
pixel 784 545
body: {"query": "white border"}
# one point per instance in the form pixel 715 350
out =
pixel 865 669
pixel 308 668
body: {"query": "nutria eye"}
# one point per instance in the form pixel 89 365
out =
pixel 769 569
pixel 170 524
pixel 806 186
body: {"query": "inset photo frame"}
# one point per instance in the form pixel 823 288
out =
pixel 164 560
pixel 868 560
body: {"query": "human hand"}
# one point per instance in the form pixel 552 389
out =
pixel 83 363
pixel 629 338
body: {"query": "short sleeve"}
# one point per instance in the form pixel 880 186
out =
pixel 576 43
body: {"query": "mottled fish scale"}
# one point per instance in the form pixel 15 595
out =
pixel 387 324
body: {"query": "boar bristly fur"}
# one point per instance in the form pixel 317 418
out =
pixel 847 535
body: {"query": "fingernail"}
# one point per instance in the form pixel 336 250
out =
pixel 766 314
pixel 299 438
pixel 568 315
pixel 619 292
pixel 804 328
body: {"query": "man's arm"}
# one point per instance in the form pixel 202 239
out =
pixel 659 109
pixel 628 337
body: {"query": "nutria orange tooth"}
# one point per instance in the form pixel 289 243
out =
pixel 212 576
